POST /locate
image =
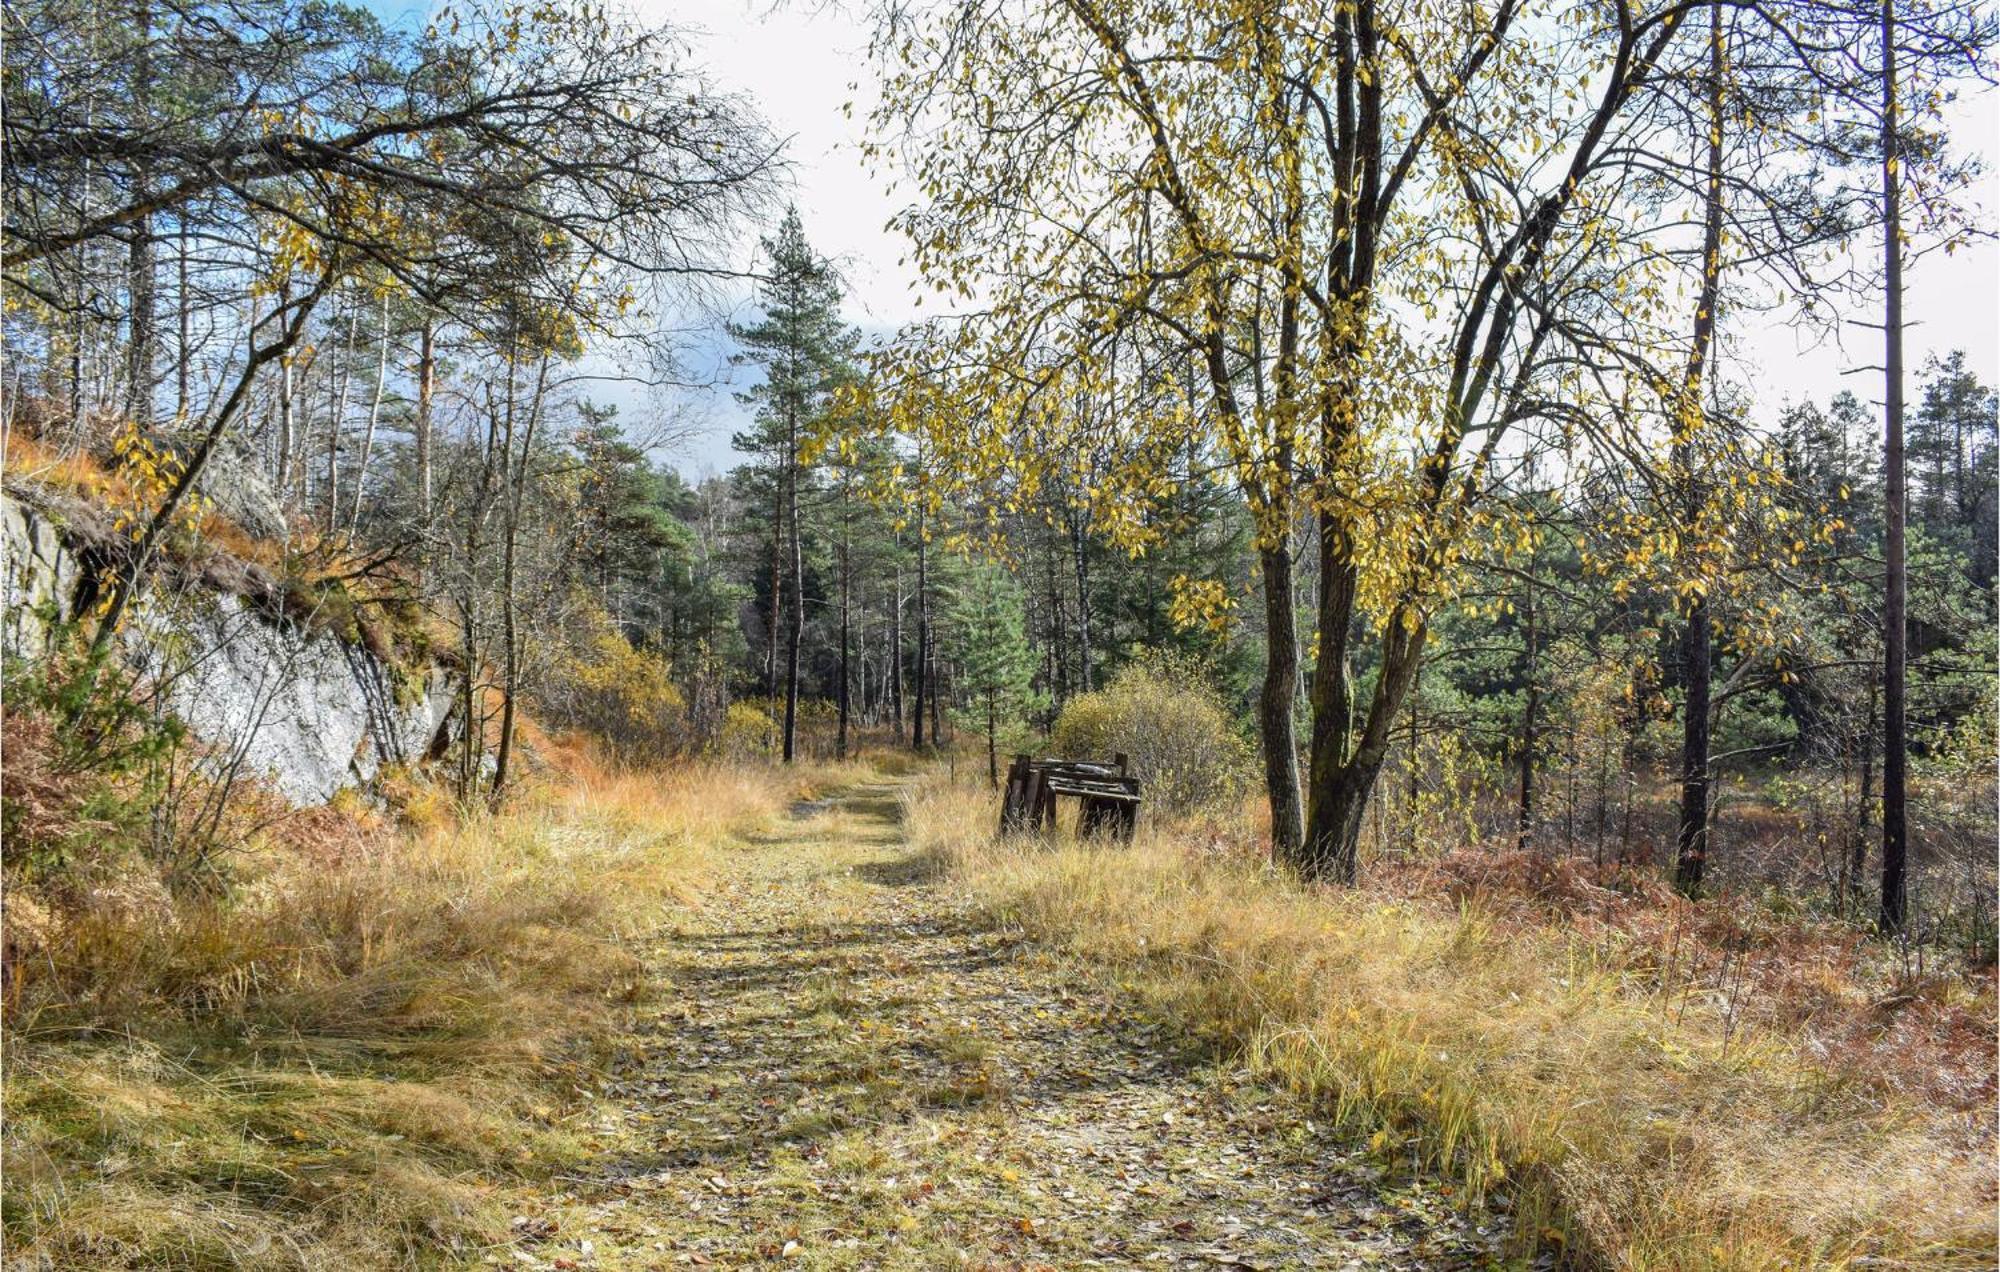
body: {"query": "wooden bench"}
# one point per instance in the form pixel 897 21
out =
pixel 1108 795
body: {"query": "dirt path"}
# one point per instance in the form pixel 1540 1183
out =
pixel 848 1069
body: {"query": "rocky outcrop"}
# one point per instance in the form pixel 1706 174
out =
pixel 41 575
pixel 234 483
pixel 271 695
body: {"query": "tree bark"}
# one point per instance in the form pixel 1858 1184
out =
pixel 776 615
pixel 1895 601
pixel 473 738
pixel 923 686
pixel 516 469
pixel 338 423
pixel 1691 837
pixel 896 654
pixel 184 352
pixel 1858 864
pixel 1346 759
pixel 1082 563
pixel 1276 707
pixel 426 394
pixel 1530 711
pixel 1412 789
pixel 796 624
pixel 934 696
pixel 992 741
pixel 287 388
pixel 374 418
pixel 140 277
pixel 846 620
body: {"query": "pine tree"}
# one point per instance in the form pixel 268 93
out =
pixel 805 352
pixel 987 619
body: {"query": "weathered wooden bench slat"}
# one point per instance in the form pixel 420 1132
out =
pixel 1109 795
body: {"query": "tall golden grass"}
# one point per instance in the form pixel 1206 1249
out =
pixel 1634 1117
pixel 345 1059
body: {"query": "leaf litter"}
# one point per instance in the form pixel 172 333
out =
pixel 842 1065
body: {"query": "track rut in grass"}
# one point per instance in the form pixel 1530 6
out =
pixel 846 1066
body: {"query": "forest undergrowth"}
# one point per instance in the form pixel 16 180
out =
pixel 1645 1082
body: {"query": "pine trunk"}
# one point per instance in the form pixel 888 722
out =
pixel 924 687
pixel 846 624
pixel 795 629
pixel 1895 602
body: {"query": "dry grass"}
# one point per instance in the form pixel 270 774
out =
pixel 346 1060
pixel 1649 1094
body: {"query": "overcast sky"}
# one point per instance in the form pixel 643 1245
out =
pixel 799 63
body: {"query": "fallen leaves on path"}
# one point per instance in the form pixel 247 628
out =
pixel 843 1066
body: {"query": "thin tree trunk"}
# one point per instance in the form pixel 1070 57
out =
pixel 517 475
pixel 1530 712
pixel 1569 803
pixel 777 611
pixel 287 387
pixel 1058 633
pixel 473 739
pixel 1603 797
pixel 140 353
pixel 184 353
pixel 1859 866
pixel 923 635
pixel 934 696
pixel 426 393
pixel 1691 835
pixel 895 635
pixel 374 417
pixel 140 279
pixel 846 620
pixel 338 423
pixel 1410 765
pixel 795 629
pixel 1082 563
pixel 1895 632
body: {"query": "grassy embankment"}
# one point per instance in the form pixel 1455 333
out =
pixel 350 1057
pixel 1649 1084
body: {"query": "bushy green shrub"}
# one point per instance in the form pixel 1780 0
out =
pixel 1163 712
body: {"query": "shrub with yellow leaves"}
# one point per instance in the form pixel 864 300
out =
pixel 1162 712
